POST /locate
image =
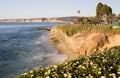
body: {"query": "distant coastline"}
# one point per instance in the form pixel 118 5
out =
pixel 58 19
pixel 33 20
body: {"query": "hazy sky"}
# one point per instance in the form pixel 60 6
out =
pixel 52 8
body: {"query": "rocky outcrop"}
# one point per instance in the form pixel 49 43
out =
pixel 84 45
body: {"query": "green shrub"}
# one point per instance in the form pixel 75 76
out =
pixel 71 30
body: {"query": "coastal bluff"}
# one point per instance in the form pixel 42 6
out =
pixel 84 41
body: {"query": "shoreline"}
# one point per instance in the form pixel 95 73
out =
pixel 63 49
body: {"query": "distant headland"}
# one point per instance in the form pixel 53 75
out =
pixel 59 19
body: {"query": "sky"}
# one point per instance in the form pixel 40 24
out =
pixel 14 9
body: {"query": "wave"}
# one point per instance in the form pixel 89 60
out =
pixel 42 39
pixel 52 55
pixel 56 58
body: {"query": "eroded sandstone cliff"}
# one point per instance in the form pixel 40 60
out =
pixel 83 44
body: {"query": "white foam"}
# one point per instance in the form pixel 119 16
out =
pixel 41 39
pixel 51 55
pixel 55 59
pixel 37 42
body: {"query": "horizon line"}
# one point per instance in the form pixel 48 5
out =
pixel 43 17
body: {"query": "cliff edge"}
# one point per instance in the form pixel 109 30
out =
pixel 77 41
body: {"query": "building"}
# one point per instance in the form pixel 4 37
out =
pixel 116 24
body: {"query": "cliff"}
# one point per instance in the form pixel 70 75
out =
pixel 84 42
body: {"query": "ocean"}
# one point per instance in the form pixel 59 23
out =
pixel 23 48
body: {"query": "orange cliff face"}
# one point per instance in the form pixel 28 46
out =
pixel 84 45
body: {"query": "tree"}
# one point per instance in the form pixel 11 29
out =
pixel 103 12
pixel 98 9
pixel 78 12
pixel 110 10
pixel 103 9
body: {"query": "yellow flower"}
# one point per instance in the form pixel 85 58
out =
pixel 39 77
pixel 32 75
pixel 118 71
pixel 25 74
pixel 79 66
pixel 111 67
pixel 65 75
pixel 54 66
pixel 48 71
pixel 104 60
pixel 91 63
pixel 47 77
pixel 90 76
pixel 83 67
pixel 99 68
pixel 113 75
pixel 99 72
pixel 102 77
pixel 31 71
pixel 69 75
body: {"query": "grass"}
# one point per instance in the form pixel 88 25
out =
pixel 99 65
pixel 71 30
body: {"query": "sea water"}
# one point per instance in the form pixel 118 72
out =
pixel 23 48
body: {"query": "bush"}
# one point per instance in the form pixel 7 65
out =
pixel 71 30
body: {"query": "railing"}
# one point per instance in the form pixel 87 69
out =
pixel 86 24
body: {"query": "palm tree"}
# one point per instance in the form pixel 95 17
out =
pixel 78 13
